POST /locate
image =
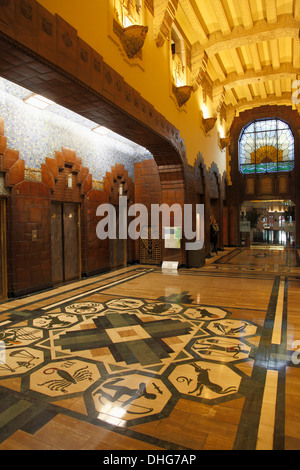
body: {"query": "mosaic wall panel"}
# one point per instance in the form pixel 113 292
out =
pixel 3 190
pixel 38 134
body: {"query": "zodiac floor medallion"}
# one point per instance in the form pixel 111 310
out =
pixel 130 359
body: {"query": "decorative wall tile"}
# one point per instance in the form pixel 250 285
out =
pixel 39 134
pixel 3 190
pixel 33 175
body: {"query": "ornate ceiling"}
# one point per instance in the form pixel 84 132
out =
pixel 246 52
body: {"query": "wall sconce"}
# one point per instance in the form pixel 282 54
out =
pixel 208 123
pixel 224 142
pixel 133 38
pixel 70 181
pixel 182 94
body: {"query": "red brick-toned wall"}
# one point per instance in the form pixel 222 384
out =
pixel 147 188
pixel 167 184
pixel 95 252
pixel 29 260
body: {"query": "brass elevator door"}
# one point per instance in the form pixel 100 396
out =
pixel 65 242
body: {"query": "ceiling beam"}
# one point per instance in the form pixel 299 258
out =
pixel 297 10
pixel 255 57
pixel 296 53
pixel 286 26
pixel 251 76
pixel 237 61
pixel 217 67
pixel 221 16
pixel 246 14
pixel 271 10
pixel 273 99
pixel 278 91
pixel 262 90
pixel 275 53
pixel 193 20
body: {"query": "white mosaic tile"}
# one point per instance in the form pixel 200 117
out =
pixel 38 134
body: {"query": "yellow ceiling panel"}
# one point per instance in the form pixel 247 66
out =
pixel 285 50
pixel 286 85
pixel 258 9
pixel 208 15
pixel 264 52
pixel 232 8
pixel 227 61
pixel 183 20
pixel 285 6
pixel 246 56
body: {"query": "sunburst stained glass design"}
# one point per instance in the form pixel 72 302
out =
pixel 266 146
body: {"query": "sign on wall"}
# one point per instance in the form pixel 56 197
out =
pixel 172 237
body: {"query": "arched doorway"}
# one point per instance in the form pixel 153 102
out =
pixel 268 223
pixel 264 147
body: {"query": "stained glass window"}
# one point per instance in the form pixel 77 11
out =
pixel 266 146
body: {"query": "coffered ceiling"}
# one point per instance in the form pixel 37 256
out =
pixel 250 49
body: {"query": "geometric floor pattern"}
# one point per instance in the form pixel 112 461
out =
pixel 136 359
pixel 131 359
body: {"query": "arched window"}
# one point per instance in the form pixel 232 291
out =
pixel 266 146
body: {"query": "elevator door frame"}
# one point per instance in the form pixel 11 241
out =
pixel 3 247
pixel 116 244
pixel 62 204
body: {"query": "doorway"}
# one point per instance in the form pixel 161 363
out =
pixel 268 223
pixel 3 255
pixel 65 242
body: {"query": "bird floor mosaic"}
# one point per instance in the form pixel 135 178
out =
pixel 130 359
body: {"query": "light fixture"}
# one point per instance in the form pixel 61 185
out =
pixel 121 189
pixel 208 123
pixel 224 142
pixel 205 112
pixel 38 101
pixel 100 130
pixel 182 94
pixel 127 21
pixel 69 181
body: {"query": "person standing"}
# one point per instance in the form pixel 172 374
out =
pixel 214 230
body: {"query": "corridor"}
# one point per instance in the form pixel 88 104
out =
pixel 140 359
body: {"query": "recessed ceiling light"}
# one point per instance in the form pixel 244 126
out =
pixel 38 101
pixel 100 130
